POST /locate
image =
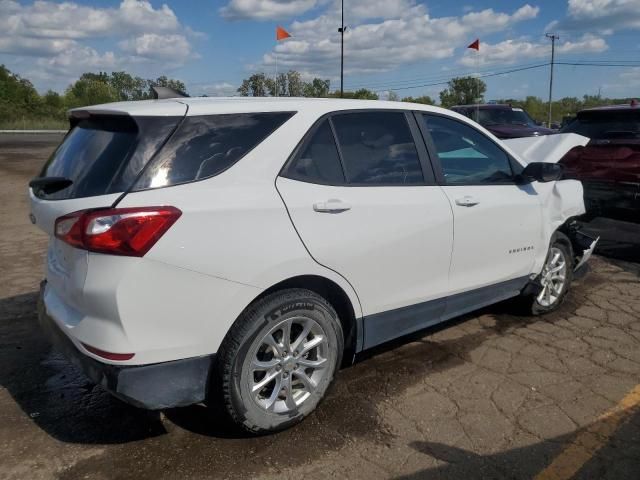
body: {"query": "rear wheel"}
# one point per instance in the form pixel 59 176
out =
pixel 554 279
pixel 279 359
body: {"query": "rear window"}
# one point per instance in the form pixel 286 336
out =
pixel 109 153
pixel 205 146
pixel 606 125
pixel 104 154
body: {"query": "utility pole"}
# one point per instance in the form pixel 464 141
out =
pixel 341 30
pixel 553 38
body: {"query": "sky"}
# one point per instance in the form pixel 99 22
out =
pixel 406 46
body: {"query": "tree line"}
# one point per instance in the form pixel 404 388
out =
pixel 21 106
pixel 290 84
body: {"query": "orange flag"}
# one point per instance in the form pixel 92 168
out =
pixel 475 45
pixel 281 33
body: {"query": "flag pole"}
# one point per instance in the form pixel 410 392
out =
pixel 281 34
pixel 477 85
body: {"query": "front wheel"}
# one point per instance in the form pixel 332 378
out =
pixel 278 360
pixel 554 279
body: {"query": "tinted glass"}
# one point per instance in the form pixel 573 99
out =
pixel 318 162
pixel 466 155
pixel 502 116
pixel 204 146
pixel 377 149
pixel 104 154
pixel 606 125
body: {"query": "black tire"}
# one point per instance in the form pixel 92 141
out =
pixel 529 301
pixel 248 333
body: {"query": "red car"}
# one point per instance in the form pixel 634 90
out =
pixel 609 165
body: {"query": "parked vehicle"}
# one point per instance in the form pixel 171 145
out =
pixel 609 166
pixel 256 245
pixel 504 121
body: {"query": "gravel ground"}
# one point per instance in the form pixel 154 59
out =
pixel 491 395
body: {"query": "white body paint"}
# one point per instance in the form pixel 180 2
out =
pixel 247 229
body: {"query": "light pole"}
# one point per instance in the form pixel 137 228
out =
pixel 341 30
pixel 553 38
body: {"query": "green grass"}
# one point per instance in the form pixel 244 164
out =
pixel 34 124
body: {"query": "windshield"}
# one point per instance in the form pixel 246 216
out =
pixel 105 154
pixel 606 125
pixel 503 116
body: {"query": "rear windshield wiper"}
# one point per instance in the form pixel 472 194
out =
pixel 49 185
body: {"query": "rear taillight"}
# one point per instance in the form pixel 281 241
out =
pixel 116 231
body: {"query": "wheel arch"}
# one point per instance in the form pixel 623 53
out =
pixel 348 313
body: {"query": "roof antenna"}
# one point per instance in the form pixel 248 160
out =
pixel 160 93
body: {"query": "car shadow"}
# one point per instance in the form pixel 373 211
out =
pixel 614 454
pixel 68 406
pixel 55 394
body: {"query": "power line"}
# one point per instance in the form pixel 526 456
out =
pixel 430 78
pixel 494 74
pixel 590 64
pixel 392 85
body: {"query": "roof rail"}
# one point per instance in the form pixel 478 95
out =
pixel 166 92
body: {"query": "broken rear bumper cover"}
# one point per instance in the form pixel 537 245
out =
pixel 156 386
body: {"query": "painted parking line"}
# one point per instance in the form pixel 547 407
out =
pixel 584 446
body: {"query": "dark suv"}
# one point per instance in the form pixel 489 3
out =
pixel 609 165
pixel 504 121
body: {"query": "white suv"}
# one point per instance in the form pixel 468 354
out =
pixel 243 249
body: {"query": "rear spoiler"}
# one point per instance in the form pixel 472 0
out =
pixel 547 148
pixel 160 93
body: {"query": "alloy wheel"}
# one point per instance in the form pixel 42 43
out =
pixel 287 364
pixel 553 277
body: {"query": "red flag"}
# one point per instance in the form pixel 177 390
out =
pixel 475 45
pixel 281 33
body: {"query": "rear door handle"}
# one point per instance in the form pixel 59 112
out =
pixel 467 201
pixel 333 205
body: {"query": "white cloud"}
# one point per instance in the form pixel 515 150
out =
pixel 158 47
pixel 265 9
pixel 412 36
pixel 78 59
pixel 221 89
pixel 58 35
pixel 512 51
pixel 34 46
pixel 360 9
pixel 626 83
pixel 602 16
pixel 46 19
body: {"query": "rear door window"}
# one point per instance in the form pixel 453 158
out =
pixel 318 160
pixel 104 154
pixel 204 146
pixel 377 149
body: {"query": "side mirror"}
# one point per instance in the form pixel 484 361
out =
pixel 542 172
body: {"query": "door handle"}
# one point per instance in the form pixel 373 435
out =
pixel 333 205
pixel 467 201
